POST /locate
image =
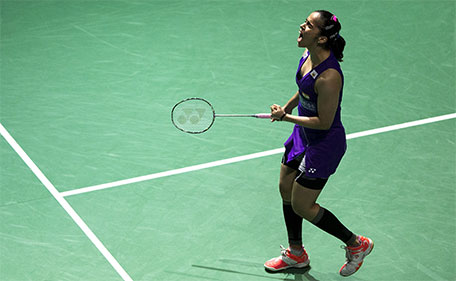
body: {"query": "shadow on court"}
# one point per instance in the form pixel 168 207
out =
pixel 299 273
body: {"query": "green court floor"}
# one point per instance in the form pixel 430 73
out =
pixel 86 90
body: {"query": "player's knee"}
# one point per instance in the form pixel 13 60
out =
pixel 285 190
pixel 306 211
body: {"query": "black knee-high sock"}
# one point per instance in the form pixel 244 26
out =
pixel 327 221
pixel 293 223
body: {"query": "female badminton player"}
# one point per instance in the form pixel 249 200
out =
pixel 316 145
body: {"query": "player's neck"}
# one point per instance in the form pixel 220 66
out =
pixel 318 55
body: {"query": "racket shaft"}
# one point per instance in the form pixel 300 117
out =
pixel 260 115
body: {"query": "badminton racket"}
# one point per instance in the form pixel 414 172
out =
pixel 197 115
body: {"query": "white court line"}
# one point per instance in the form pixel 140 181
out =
pixel 65 205
pixel 173 172
pixel 247 157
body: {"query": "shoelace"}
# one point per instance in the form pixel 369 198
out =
pixel 283 251
pixel 349 254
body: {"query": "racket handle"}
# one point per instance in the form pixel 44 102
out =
pixel 263 115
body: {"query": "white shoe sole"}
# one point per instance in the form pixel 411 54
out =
pixel 298 265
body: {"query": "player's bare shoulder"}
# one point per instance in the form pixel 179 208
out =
pixel 330 79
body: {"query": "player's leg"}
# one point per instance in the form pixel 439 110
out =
pixel 304 196
pixel 293 221
pixel 295 255
pixel 286 180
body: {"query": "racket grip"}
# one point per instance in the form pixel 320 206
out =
pixel 263 115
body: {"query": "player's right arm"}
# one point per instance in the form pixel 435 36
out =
pixel 292 103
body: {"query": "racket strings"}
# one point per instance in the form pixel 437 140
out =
pixel 193 115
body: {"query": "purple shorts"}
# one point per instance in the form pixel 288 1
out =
pixel 318 157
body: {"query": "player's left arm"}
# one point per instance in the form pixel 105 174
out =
pixel 327 86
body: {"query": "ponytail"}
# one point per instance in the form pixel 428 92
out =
pixel 331 28
pixel 337 46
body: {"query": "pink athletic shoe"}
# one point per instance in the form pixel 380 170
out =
pixel 287 260
pixel 355 256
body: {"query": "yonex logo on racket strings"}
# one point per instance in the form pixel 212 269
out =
pixel 192 115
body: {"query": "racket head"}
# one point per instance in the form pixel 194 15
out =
pixel 193 115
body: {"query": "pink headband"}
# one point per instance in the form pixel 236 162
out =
pixel 334 18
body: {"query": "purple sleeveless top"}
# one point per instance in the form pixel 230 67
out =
pixel 319 151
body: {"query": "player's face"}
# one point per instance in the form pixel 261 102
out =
pixel 309 32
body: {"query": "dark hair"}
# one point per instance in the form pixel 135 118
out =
pixel 331 28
